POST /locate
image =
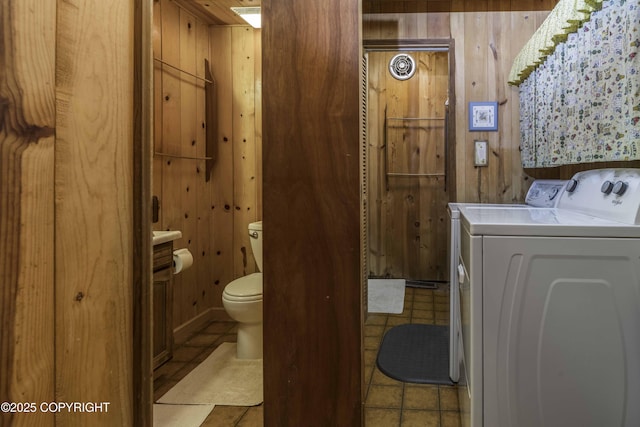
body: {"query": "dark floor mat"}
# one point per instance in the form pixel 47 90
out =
pixel 416 354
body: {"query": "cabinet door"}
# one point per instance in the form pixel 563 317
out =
pixel 162 317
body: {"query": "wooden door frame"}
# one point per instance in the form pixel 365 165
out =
pixel 445 45
pixel 142 235
pixel 434 45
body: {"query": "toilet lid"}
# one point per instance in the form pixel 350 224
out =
pixel 247 286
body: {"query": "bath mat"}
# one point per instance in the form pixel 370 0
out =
pixel 385 296
pixel 416 354
pixel 180 415
pixel 221 379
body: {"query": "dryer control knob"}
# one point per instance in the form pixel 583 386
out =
pixel 607 186
pixel 620 188
pixel 571 185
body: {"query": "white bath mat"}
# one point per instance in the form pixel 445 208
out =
pixel 386 296
pixel 180 415
pixel 221 379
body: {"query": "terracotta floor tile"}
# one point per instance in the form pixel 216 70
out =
pixel 421 397
pixel 448 398
pixel 423 305
pixel 414 418
pixel 383 396
pixel 373 330
pixel 372 343
pixel 450 419
pixel 379 378
pixel 376 319
pixel 381 417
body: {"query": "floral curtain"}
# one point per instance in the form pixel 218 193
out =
pixel 581 103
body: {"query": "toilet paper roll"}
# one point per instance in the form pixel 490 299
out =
pixel 182 259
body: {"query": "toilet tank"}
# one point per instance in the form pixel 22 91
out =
pixel 255 235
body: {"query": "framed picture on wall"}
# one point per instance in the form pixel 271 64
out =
pixel 483 116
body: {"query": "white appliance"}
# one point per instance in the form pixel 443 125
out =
pixel 550 307
pixel 542 193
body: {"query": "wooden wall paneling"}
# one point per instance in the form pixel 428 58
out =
pixel 222 10
pixel 461 111
pixel 93 210
pixel 170 201
pixel 397 194
pixel 381 26
pixel 499 5
pixel 438 25
pixel 312 295
pixel 411 25
pixel 222 174
pixel 376 175
pixel 408 223
pixel 27 95
pixel 495 82
pixel 480 76
pixel 244 147
pixel 257 52
pixel 531 5
pixel 402 6
pixel 500 43
pixel 171 125
pixel 432 25
pixel 142 291
pixel 457 5
pixel 527 22
pixel 434 256
pixel 203 255
pixel 475 81
pixel 476 5
pixel 188 295
pixel 158 108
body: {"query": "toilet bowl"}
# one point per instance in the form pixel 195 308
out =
pixel 242 300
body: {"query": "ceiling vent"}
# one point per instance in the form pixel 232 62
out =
pixel 402 66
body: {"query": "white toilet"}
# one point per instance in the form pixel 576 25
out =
pixel 242 299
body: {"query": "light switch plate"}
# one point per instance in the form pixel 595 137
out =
pixel 480 153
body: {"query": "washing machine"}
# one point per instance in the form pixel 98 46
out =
pixel 541 193
pixel 550 307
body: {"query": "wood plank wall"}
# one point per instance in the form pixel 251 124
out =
pixel 408 212
pixel 312 278
pixel 66 197
pixel 27 124
pixel 93 210
pixel 488 35
pixel 212 215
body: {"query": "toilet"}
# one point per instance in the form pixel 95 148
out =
pixel 242 300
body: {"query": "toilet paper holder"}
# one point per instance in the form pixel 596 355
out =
pixel 182 259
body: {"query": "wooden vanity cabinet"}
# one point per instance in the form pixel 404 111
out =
pixel 162 303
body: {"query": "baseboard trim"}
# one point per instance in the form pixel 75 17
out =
pixel 183 332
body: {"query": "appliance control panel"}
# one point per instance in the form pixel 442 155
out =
pixel 612 194
pixel 545 193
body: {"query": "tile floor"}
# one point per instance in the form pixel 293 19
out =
pixel 388 403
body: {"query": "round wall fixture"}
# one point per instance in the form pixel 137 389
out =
pixel 402 66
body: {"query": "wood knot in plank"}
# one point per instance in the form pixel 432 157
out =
pixel 494 51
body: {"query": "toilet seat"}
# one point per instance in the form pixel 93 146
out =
pixel 245 289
